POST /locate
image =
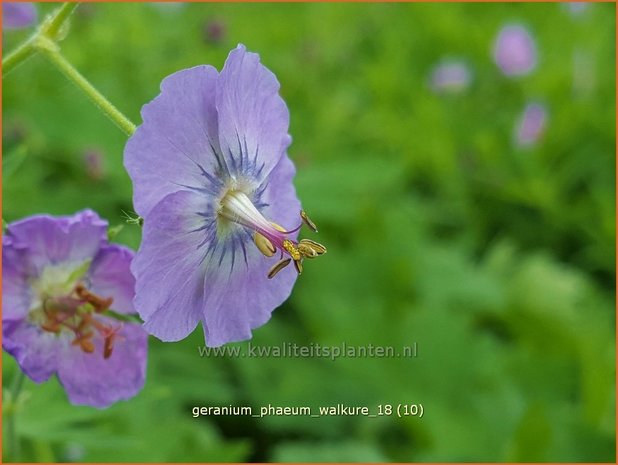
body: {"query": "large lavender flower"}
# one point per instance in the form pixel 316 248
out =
pixel 213 183
pixel 59 279
pixel 18 15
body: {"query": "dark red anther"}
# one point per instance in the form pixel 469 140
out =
pixel 84 341
pixel 110 336
pixel 100 304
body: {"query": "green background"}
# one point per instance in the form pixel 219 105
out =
pixel 499 262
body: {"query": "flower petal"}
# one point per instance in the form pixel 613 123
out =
pixel 282 204
pixel 253 118
pixel 16 293
pixel 91 379
pixel 35 350
pixel 169 266
pixel 110 276
pixel 176 146
pixel 237 302
pixel 51 240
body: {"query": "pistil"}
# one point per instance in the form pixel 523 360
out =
pixel 269 237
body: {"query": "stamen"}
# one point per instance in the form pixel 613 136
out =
pixel 316 247
pixel 84 342
pixel 268 236
pixel 278 227
pixel 99 304
pixel 108 343
pixel 308 222
pixel 77 313
pixel 306 251
pixel 264 245
pixel 278 267
pixel 87 346
pixel 51 326
pixel 290 248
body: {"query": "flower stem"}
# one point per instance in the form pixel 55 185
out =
pixel 53 27
pixel 18 56
pixel 55 57
pixel 50 27
pixel 45 41
pixel 10 411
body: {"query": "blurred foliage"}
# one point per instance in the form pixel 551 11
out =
pixel 499 261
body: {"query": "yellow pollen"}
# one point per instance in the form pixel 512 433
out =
pixel 290 248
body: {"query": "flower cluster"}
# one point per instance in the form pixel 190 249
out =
pixel 213 183
pixel 60 281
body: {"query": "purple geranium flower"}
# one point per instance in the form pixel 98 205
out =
pixel 213 183
pixel 531 125
pixel 515 50
pixel 18 15
pixel 450 76
pixel 60 277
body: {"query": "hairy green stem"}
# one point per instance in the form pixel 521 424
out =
pixel 55 57
pixel 52 28
pixel 18 56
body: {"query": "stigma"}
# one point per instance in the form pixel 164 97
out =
pixel 268 236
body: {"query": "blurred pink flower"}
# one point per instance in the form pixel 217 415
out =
pixel 93 164
pixel 214 31
pixel 576 8
pixel 18 15
pixel 450 76
pixel 531 125
pixel 515 51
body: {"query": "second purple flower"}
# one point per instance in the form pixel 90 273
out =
pixel 213 182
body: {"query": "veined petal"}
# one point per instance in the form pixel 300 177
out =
pixel 110 276
pixel 52 240
pixel 35 350
pixel 253 118
pixel 281 203
pixel 90 379
pixel 237 301
pixel 169 266
pixel 176 147
pixel 230 316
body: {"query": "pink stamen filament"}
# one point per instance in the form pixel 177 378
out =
pixel 237 207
